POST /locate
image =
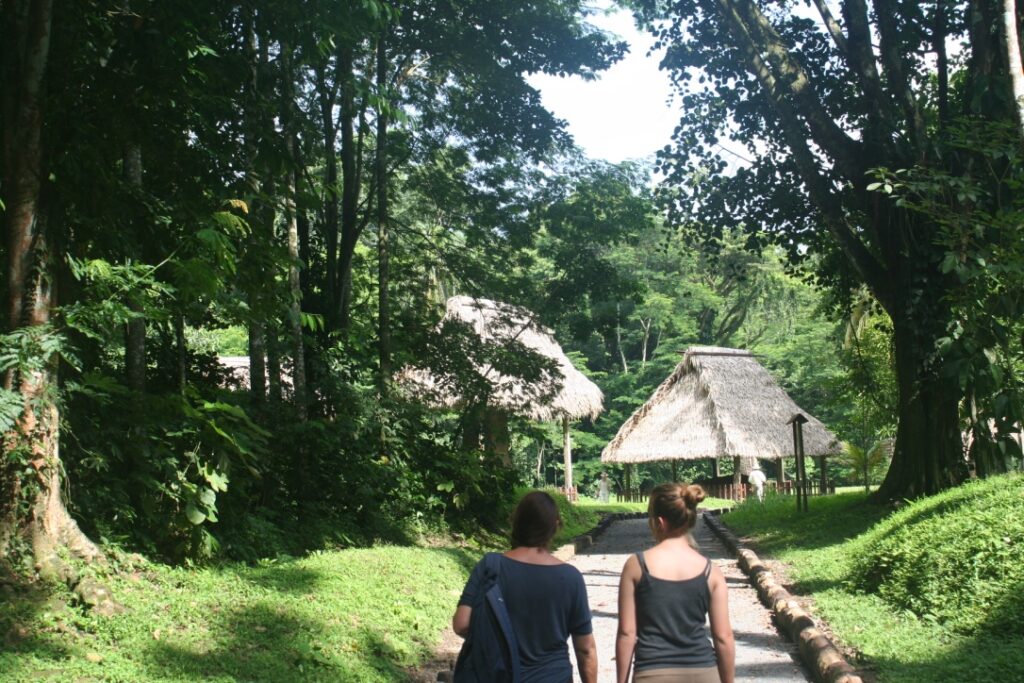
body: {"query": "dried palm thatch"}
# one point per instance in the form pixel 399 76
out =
pixel 717 403
pixel 559 391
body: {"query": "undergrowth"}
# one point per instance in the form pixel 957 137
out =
pixel 930 592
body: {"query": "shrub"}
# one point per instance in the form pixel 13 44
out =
pixel 956 558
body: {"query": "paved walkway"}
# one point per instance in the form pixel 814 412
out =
pixel 762 655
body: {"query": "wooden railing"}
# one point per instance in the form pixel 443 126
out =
pixel 737 492
pixel 740 492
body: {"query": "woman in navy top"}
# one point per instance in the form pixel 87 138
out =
pixel 546 598
pixel 665 596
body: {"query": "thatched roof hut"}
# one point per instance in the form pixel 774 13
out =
pixel 566 393
pixel 717 403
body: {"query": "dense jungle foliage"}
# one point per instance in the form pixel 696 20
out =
pixel 306 183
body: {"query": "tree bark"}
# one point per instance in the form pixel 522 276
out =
pixel 273 345
pixel 327 97
pixel 496 435
pixel 295 294
pixel 33 444
pixel 257 362
pixel 929 453
pixel 351 172
pixel 567 453
pixel 383 247
pixel 135 333
pixel 1012 43
pixel 182 351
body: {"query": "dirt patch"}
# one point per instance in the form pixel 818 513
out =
pixel 443 659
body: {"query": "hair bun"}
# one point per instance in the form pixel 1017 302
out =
pixel 693 495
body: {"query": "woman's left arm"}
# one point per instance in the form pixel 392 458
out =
pixel 586 657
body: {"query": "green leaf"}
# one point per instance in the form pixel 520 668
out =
pixel 194 514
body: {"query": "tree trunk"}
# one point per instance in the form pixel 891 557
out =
pixel 350 186
pixel 32 447
pixel 1012 44
pixel 471 423
pixel 929 453
pixel 135 334
pixel 182 351
pixel 567 454
pixel 496 435
pixel 383 254
pixel 257 362
pixel 539 470
pixel 327 97
pixel 618 341
pixel 273 343
pixel 646 327
pixel 295 292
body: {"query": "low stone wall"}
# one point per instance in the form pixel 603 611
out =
pixel 821 656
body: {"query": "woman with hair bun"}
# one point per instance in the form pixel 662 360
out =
pixel 665 595
pixel 546 599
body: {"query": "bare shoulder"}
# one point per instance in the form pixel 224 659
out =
pixel 716 577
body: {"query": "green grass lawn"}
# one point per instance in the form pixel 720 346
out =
pixel 356 615
pixel 350 615
pixel 933 592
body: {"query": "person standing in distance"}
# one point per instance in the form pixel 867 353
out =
pixel 546 598
pixel 666 594
pixel 757 479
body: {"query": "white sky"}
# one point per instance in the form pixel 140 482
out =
pixel 625 114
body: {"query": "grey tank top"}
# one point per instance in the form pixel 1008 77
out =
pixel 670 619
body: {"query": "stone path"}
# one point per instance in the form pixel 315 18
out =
pixel 762 655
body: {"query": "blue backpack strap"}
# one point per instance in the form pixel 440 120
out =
pixel 492 562
pixel 497 603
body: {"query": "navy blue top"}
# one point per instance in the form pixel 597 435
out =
pixel 670 621
pixel 546 604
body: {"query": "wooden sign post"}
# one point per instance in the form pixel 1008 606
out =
pixel 801 485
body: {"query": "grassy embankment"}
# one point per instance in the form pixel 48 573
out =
pixel 355 615
pixel 932 592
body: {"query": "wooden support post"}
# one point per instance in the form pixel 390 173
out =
pixel 736 476
pixel 675 471
pixel 567 454
pixel 823 476
pixel 629 483
pixel 718 467
pixel 781 463
pixel 801 484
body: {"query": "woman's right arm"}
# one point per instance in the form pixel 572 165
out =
pixel 625 641
pixel 460 621
pixel 721 630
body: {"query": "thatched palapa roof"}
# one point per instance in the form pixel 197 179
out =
pixel 564 393
pixel 718 402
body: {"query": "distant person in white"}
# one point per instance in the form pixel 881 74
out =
pixel 757 480
pixel 602 490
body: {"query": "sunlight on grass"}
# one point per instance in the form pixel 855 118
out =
pixel 352 615
pixel 828 549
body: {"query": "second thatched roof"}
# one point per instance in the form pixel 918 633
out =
pixel 717 403
pixel 564 393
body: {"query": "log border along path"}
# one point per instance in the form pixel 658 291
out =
pixel 762 654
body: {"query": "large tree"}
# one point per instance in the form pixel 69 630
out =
pixel 819 100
